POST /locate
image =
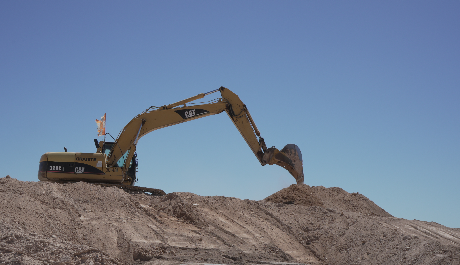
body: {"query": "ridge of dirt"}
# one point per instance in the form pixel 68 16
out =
pixel 81 223
pixel 330 198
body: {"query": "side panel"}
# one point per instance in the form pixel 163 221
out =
pixel 68 166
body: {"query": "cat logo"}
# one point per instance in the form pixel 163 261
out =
pixel 190 113
pixel 79 170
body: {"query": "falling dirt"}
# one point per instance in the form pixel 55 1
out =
pixel 80 223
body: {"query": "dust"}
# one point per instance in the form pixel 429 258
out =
pixel 80 223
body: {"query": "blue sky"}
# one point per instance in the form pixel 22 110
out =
pixel 369 91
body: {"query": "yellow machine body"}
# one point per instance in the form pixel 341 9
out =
pixel 116 162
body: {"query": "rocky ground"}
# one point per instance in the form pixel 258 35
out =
pixel 80 223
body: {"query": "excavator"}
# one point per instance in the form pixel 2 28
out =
pixel 115 163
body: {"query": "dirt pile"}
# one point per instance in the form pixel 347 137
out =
pixel 80 223
pixel 329 198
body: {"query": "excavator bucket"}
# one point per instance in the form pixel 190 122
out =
pixel 289 158
pixel 292 151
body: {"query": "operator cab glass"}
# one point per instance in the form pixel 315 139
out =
pixel 107 147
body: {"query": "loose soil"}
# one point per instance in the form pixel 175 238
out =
pixel 81 223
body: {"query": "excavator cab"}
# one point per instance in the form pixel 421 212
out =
pixel 106 148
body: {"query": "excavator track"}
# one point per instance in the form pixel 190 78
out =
pixel 134 189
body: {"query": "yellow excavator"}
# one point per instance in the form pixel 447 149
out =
pixel 115 163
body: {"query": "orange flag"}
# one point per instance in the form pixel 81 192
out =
pixel 101 126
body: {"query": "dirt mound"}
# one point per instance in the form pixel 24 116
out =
pixel 80 223
pixel 295 194
pixel 330 198
pixel 22 247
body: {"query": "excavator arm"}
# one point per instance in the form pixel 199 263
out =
pixel 156 118
pixel 289 157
